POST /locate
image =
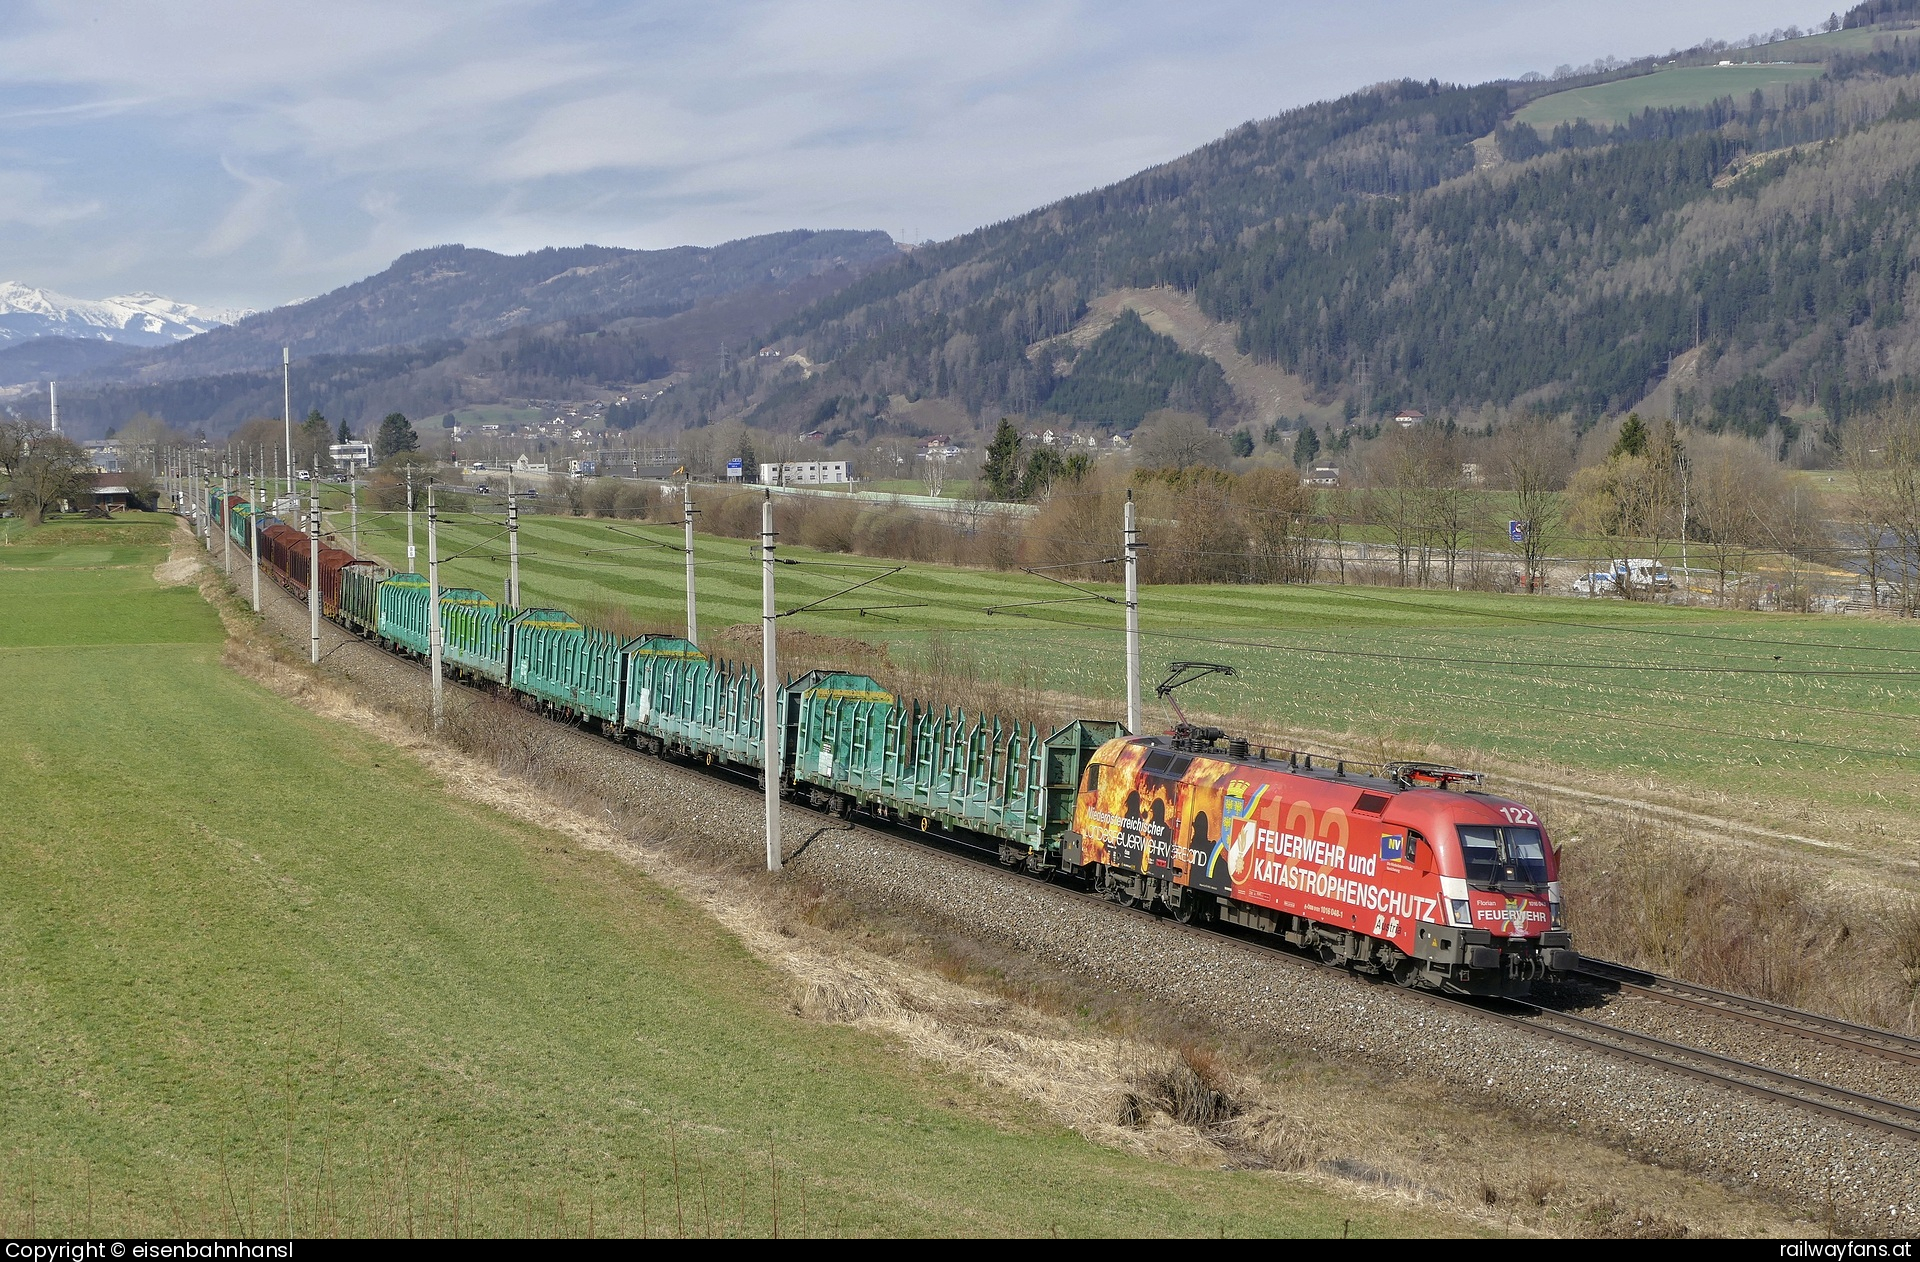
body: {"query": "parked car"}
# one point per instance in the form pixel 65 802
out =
pixel 1600 584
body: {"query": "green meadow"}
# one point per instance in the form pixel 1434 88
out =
pixel 1611 104
pixel 265 975
pixel 1812 715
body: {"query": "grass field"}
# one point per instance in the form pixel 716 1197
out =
pixel 264 975
pixel 1614 103
pixel 1812 717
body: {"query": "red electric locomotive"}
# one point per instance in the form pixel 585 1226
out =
pixel 1413 874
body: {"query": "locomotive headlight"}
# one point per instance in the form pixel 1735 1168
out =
pixel 1462 915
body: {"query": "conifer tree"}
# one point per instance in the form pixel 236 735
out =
pixel 396 435
pixel 1306 447
pixel 1003 467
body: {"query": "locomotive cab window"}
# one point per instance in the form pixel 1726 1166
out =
pixel 1501 856
pixel 1093 777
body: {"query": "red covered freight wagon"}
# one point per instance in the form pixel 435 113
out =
pixel 284 550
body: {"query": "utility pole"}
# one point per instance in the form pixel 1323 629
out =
pixel 286 406
pixel 353 507
pixel 1131 537
pixel 410 553
pixel 253 540
pixel 313 575
pixel 693 619
pixel 513 544
pixel 769 685
pixel 1686 579
pixel 433 604
pixel 53 405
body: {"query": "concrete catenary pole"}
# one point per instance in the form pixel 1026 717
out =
pixel 693 616
pixel 253 540
pixel 1131 538
pixel 433 605
pixel 353 507
pixel 513 544
pixel 226 514
pixel 313 575
pixel 286 406
pixel 411 567
pixel 53 405
pixel 769 686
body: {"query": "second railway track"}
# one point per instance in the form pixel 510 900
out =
pixel 1823 1099
pixel 1831 1031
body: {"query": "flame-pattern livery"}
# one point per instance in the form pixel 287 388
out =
pixel 1403 874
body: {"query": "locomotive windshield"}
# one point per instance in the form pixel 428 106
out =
pixel 1499 856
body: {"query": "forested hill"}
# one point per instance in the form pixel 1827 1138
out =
pixel 456 292
pixel 1465 259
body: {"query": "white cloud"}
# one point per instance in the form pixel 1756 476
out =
pixel 251 215
pixel 26 199
pixel 243 153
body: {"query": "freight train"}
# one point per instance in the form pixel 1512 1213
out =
pixel 1413 874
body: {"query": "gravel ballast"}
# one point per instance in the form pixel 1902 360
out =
pixel 1859 1180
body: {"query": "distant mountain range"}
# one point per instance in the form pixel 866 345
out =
pixel 450 326
pixel 130 319
pixel 453 291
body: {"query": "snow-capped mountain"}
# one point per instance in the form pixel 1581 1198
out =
pixel 135 319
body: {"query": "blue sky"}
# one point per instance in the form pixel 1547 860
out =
pixel 235 152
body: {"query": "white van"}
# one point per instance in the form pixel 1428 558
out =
pixel 1643 574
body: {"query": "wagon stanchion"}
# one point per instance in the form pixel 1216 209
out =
pixel 769 685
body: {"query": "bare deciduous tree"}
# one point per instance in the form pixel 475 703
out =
pixel 41 470
pixel 1177 441
pixel 1533 462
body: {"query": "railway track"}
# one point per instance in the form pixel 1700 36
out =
pixel 1863 1039
pixel 1835 1103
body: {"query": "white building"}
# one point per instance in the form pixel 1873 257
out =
pixel 805 473
pixel 351 457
